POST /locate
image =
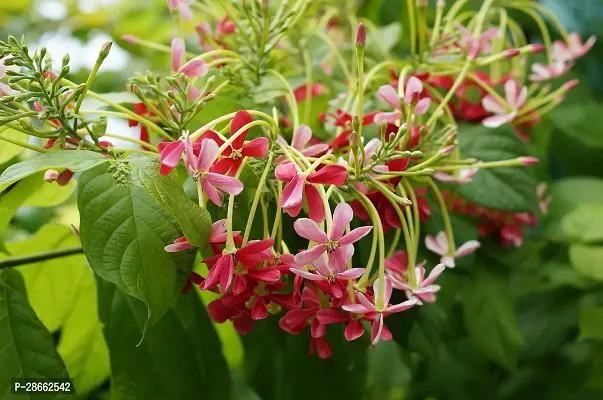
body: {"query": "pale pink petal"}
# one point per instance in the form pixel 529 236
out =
pixel 448 261
pixel 171 153
pixel 177 53
pixel 389 117
pixel 376 329
pixel 422 106
pixel 432 245
pixel 308 229
pixel 511 92
pixel 186 13
pixel 306 274
pixel 292 195
pixel 341 218
pixel 402 306
pixel 491 105
pixel 414 87
pixel 211 193
pixel 498 120
pixel 225 183
pixel 353 273
pixel 315 150
pixel 434 274
pixel 285 172
pixel 208 154
pixel 339 258
pixel 365 302
pixel 195 68
pixel 176 247
pixel 301 137
pixel 389 95
pixel 428 297
pixel 307 256
pixel 521 98
pixel 355 235
pixel 320 265
pixel 467 248
pixel 356 308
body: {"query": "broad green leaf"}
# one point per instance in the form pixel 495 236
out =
pixel 567 194
pixel 27 346
pixel 507 189
pixel 169 194
pixel 124 232
pixel 180 357
pixel 588 260
pixel 591 322
pixel 74 160
pixel 9 150
pixel 388 374
pixel 583 224
pixel 215 108
pixel 50 194
pixel 15 5
pixel 490 319
pixel 82 344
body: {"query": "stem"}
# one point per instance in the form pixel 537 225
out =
pixel 290 98
pixel 360 62
pixel 230 244
pixel 37 257
pixel 451 92
pixel 99 61
pixel 445 217
pixel 410 5
pixel 308 67
pixel 24 144
pixel 256 199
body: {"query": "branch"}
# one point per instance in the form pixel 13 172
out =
pixel 36 257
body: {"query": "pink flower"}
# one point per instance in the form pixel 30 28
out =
pixel 301 138
pixel 541 72
pixel 217 236
pixel 51 175
pixel 439 246
pixel 412 95
pixel 516 97
pixel 198 168
pixel 365 307
pixel 331 275
pixel 300 185
pixel 183 7
pixel 338 247
pixel 222 267
pixel 465 176
pixel 476 46
pixel 425 290
pixel 353 329
pixel 192 69
pixel 573 49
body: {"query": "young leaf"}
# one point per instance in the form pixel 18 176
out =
pixel 27 347
pixel 180 358
pixel 587 259
pixel 490 318
pixel 591 323
pixel 507 189
pixel 74 160
pixel 9 150
pixel 583 224
pixel 124 232
pixel 169 194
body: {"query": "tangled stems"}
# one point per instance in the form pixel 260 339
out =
pixel 256 199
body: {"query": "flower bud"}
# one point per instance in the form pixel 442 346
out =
pixel 441 3
pixel 537 48
pixel 448 150
pixel 130 39
pixel 526 161
pixel 360 36
pixel 510 53
pixel 354 140
pixel 571 84
pixel 25 124
pixel 65 177
pixel 105 50
pixel 51 175
pixel 356 123
pixel 65 60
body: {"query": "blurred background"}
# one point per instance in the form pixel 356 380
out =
pixel 560 317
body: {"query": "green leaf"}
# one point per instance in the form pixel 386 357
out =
pixel 180 358
pixel 269 88
pixel 587 259
pixel 169 194
pixel 49 194
pixel 9 150
pixel 74 160
pixel 591 322
pixel 124 232
pixel 567 194
pixel 507 189
pixel 490 319
pixel 27 346
pixel 583 224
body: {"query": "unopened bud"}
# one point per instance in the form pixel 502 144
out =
pixel 51 175
pixel 526 161
pixel 65 177
pixel 105 50
pixel 451 138
pixel 356 123
pixel 405 201
pixel 441 3
pixel 137 92
pixel 571 84
pixel 416 153
pixel 391 138
pixel 65 60
pixel 537 48
pixel 130 39
pixel 25 124
pixel 354 140
pixel 510 53
pixel 448 150
pixel 360 36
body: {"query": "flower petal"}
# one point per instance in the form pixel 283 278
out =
pixel 422 106
pixel 467 248
pixel 341 218
pixel 316 210
pixel 225 183
pixel 331 316
pixel 177 53
pixel 433 275
pixel 333 174
pixel 307 275
pixel 258 147
pixel 209 153
pixel 414 87
pixel 240 119
pixel 389 95
pixel 339 258
pixel 176 247
pixel 211 193
pixel 376 329
pixel 498 120
pixel 301 137
pixel 389 117
pixel 353 273
pixel 285 172
pixel 402 306
pixel 307 256
pixel 195 68
pixel 355 235
pixel 356 308
pixel 353 330
pixel 171 153
pixel 308 229
pixel 433 246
